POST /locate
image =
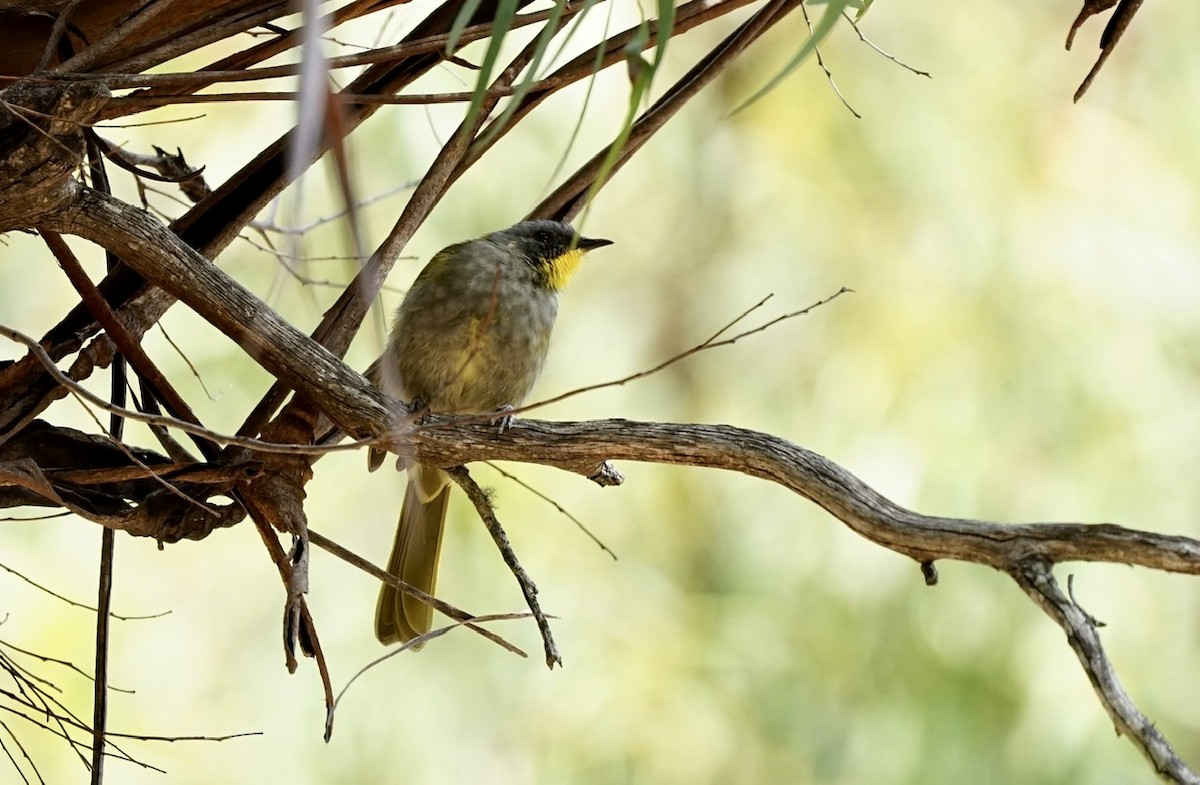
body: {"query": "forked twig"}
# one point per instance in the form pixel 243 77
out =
pixel 861 37
pixel 413 643
pixel 1035 576
pixel 487 513
pixel 459 615
pixel 562 510
pixel 821 62
pixel 710 343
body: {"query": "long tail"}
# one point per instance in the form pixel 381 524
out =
pixel 414 560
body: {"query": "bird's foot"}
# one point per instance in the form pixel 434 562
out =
pixel 417 409
pixel 413 411
pixel 504 419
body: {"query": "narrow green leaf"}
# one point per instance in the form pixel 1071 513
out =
pixel 633 50
pixel 828 20
pixel 465 14
pixel 666 28
pixel 577 23
pixel 501 24
pixel 640 73
pixel 545 36
pixel 597 62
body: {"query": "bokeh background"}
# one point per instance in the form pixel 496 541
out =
pixel 1022 345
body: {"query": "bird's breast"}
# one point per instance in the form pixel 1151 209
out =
pixel 478 351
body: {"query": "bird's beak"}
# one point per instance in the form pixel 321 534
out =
pixel 587 243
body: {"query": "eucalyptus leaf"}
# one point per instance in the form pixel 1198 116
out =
pixel 828 20
pixel 501 25
pixel 465 14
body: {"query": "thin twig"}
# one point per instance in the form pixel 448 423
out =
pixel 71 602
pixel 562 510
pixel 116 431
pixel 700 347
pixel 821 63
pixel 182 355
pixel 48 517
pixel 459 615
pixel 100 687
pixel 483 506
pixel 270 226
pixel 854 26
pixel 414 643
pixel 390 54
pixel 148 123
pixel 56 661
pixel 24 753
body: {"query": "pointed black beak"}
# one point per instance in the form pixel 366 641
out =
pixel 587 243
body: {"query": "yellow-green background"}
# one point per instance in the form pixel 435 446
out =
pixel 1021 346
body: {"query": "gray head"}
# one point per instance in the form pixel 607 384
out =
pixel 544 240
pixel 552 248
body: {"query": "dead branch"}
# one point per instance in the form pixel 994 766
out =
pixel 1036 579
pixel 483 505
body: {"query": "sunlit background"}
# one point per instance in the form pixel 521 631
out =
pixel 1021 345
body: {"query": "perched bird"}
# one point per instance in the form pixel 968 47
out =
pixel 470 337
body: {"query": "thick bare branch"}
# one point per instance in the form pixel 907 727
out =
pixel 584 448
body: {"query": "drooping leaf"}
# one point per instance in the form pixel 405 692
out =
pixel 548 31
pixel 822 29
pixel 501 24
pixel 465 14
pixel 640 75
pixel 666 28
pixel 597 66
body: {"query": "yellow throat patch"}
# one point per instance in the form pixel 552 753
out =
pixel 560 269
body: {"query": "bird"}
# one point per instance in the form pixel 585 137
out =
pixel 470 337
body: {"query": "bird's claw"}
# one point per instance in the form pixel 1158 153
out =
pixel 504 419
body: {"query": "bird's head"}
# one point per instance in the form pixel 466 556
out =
pixel 552 248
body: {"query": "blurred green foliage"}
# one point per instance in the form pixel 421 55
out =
pixel 1021 346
